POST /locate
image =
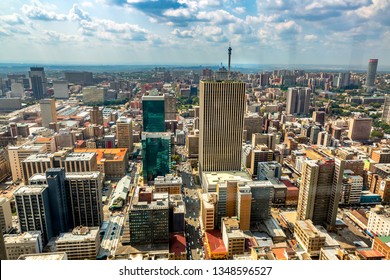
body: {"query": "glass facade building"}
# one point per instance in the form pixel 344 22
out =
pixel 153 108
pixel 156 155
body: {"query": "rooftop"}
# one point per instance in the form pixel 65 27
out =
pixel 212 178
pixel 177 244
pixel 214 238
pixel 79 234
pixel 30 236
pixel 106 155
pixel 30 190
pixel 44 257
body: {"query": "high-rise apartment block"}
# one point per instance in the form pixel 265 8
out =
pixel 156 154
pixel 298 100
pixel 48 111
pixel 170 107
pixel 221 123
pixel 5 215
pixel 38 82
pixel 359 129
pixel 153 113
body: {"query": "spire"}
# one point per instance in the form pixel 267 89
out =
pixel 230 55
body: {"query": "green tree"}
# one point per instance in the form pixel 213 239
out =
pixel 377 134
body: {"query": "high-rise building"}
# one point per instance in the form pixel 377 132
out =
pixel 25 243
pixel 84 197
pixel 233 237
pixel 153 113
pixel 221 123
pixel 259 154
pixel 48 111
pixel 33 208
pixel 80 78
pixel 96 115
pixel 124 133
pixel 262 194
pixel 253 123
pixel 149 217
pixel 3 253
pixel 55 178
pixel 298 100
pixel 371 72
pixel 170 107
pixel 244 205
pixel 359 129
pixel 315 190
pixel 38 82
pixel 156 155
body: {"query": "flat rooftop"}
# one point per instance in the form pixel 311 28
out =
pixel 44 257
pixel 30 190
pixel 26 237
pixel 106 155
pixel 212 178
pixel 88 235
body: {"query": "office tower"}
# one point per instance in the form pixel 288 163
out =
pixel 153 113
pixel 149 217
pixel 55 178
pixel 33 208
pixel 3 253
pixel 192 144
pixel 208 204
pixel 170 107
pixel 386 110
pixel 168 183
pixel 96 115
pixel 5 169
pixel 267 139
pixel 262 194
pixel 61 90
pixel 371 72
pixel 319 117
pixel 177 213
pixel 38 82
pixel 260 153
pixel 84 197
pixel 156 155
pixel 314 131
pixel 359 129
pixel 26 243
pixel 298 101
pixel 48 111
pixel 244 204
pixel 253 123
pixel 315 190
pixel 5 215
pixel 269 170
pixel 124 133
pixel 82 243
pixel 79 78
pixel 221 123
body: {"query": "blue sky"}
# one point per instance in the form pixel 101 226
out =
pixel 342 32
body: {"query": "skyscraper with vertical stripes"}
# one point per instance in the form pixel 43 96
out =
pixel 221 123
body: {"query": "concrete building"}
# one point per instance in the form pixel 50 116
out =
pixel 315 190
pixel 371 73
pixel 177 213
pixel 309 237
pixel 352 189
pixel 261 201
pixel 96 116
pixel 386 110
pixel 221 125
pixel 298 100
pixel 5 169
pixel 359 129
pixel 382 245
pixel 44 257
pixel 253 123
pixel 208 210
pixel 61 89
pixel 16 155
pixel 10 104
pixel 233 238
pixel 244 206
pixel 192 144
pixel 379 221
pixel 168 183
pixel 170 106
pixel 3 253
pixel 5 215
pixel 269 170
pixel 79 77
pixel 261 153
pixel 381 155
pixel 149 217
pixel 26 243
pixel 124 133
pixel 81 244
pixel 33 210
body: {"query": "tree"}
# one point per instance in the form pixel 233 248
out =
pixel 377 134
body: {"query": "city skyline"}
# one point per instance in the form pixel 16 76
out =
pixel 342 32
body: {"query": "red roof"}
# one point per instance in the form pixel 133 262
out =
pixel 214 238
pixel 287 183
pixel 177 243
pixel 370 253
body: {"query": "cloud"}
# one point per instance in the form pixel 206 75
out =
pixel 378 10
pixel 36 11
pixel 239 10
pixel 183 33
pixel 57 37
pixel 77 14
pixel 221 17
pixel 310 37
pixel 86 4
pixel 13 19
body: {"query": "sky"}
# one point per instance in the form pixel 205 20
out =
pixel 195 32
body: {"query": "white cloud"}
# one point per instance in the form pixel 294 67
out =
pixel 239 10
pixel 87 4
pixel 13 19
pixel 38 12
pixel 218 17
pixel 310 37
pixel 183 33
pixel 76 13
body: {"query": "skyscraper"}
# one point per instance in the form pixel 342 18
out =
pixel 298 100
pixel 124 133
pixel 371 72
pixel 3 253
pixel 221 123
pixel 58 206
pixel 156 155
pixel 359 129
pixel 386 110
pixel 33 209
pixel 96 115
pixel 315 190
pixel 48 111
pixel 153 108
pixel 38 82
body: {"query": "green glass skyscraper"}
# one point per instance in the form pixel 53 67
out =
pixel 153 108
pixel 156 155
